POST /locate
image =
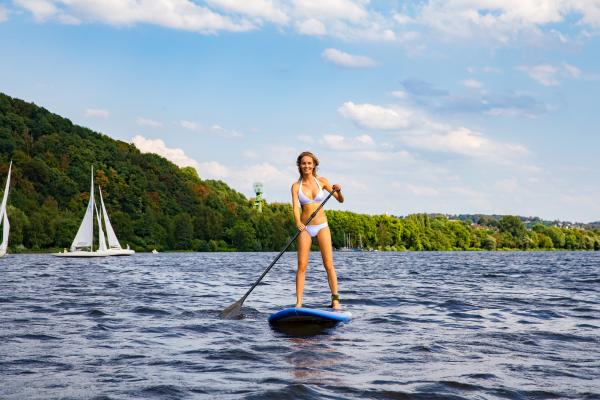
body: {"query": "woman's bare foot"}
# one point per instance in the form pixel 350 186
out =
pixel 298 305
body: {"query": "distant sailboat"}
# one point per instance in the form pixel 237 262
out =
pixel 114 247
pixel 4 217
pixel 83 243
pixel 348 244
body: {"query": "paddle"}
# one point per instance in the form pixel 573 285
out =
pixel 234 310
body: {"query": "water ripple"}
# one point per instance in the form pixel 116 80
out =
pixel 498 325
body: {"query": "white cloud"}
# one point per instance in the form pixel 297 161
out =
pixel 375 28
pixel 376 117
pixel 142 121
pixel 68 19
pixel 242 177
pixel 3 14
pixel 264 172
pixel 311 26
pixel 572 71
pixel 414 128
pixel 507 112
pixel 544 74
pixel 41 9
pixel 419 190
pixel 466 142
pixel 213 170
pixel 340 143
pixel 262 9
pixel 346 60
pixel 589 10
pixel 503 20
pixel 96 113
pixel 331 9
pixel 176 14
pixel 157 146
pixel 491 70
pixel 214 129
pixel 345 19
pixel 487 70
pixel 403 19
pixel 409 36
pixel 189 125
pixel 472 83
pixel 348 150
pixel 366 140
pixel 222 132
pixel 399 94
pixel 550 75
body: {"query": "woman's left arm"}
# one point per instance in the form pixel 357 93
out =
pixel 337 187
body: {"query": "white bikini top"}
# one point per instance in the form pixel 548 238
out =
pixel 304 199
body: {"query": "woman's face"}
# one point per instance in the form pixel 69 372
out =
pixel 307 165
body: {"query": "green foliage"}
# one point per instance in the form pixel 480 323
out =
pixel 153 204
pixel 513 226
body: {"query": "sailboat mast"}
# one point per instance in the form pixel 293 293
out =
pixel 93 205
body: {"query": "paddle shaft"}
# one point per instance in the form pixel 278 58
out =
pixel 286 246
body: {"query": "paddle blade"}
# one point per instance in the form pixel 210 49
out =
pixel 234 311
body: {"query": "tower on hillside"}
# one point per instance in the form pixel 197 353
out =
pixel 258 190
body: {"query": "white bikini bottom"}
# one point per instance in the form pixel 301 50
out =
pixel 313 230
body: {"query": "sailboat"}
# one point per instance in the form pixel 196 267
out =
pixel 114 247
pixel 4 217
pixel 346 243
pixel 83 244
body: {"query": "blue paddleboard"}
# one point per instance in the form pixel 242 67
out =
pixel 309 315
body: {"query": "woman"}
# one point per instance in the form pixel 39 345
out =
pixel 309 192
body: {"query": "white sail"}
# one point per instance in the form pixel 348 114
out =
pixel 5 232
pixel 85 234
pixel 101 239
pixel 4 216
pixel 113 242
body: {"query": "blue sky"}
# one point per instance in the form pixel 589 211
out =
pixel 425 106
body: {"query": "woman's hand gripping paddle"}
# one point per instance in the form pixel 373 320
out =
pixel 235 310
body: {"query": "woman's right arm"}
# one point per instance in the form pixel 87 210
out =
pixel 296 207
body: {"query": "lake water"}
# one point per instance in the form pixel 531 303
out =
pixel 495 325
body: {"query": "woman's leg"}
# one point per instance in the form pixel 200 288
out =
pixel 303 242
pixel 324 240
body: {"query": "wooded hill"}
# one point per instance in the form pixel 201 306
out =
pixel 151 202
pixel 154 204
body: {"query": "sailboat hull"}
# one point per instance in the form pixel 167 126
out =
pixel 82 254
pixel 122 252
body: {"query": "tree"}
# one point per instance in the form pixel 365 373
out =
pixel 512 225
pixel 242 236
pixel 488 243
pixel 183 231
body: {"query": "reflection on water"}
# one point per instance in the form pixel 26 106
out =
pixel 314 358
pixel 302 329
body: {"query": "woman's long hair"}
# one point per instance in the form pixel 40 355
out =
pixel 315 161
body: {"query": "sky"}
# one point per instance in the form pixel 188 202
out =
pixel 457 106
